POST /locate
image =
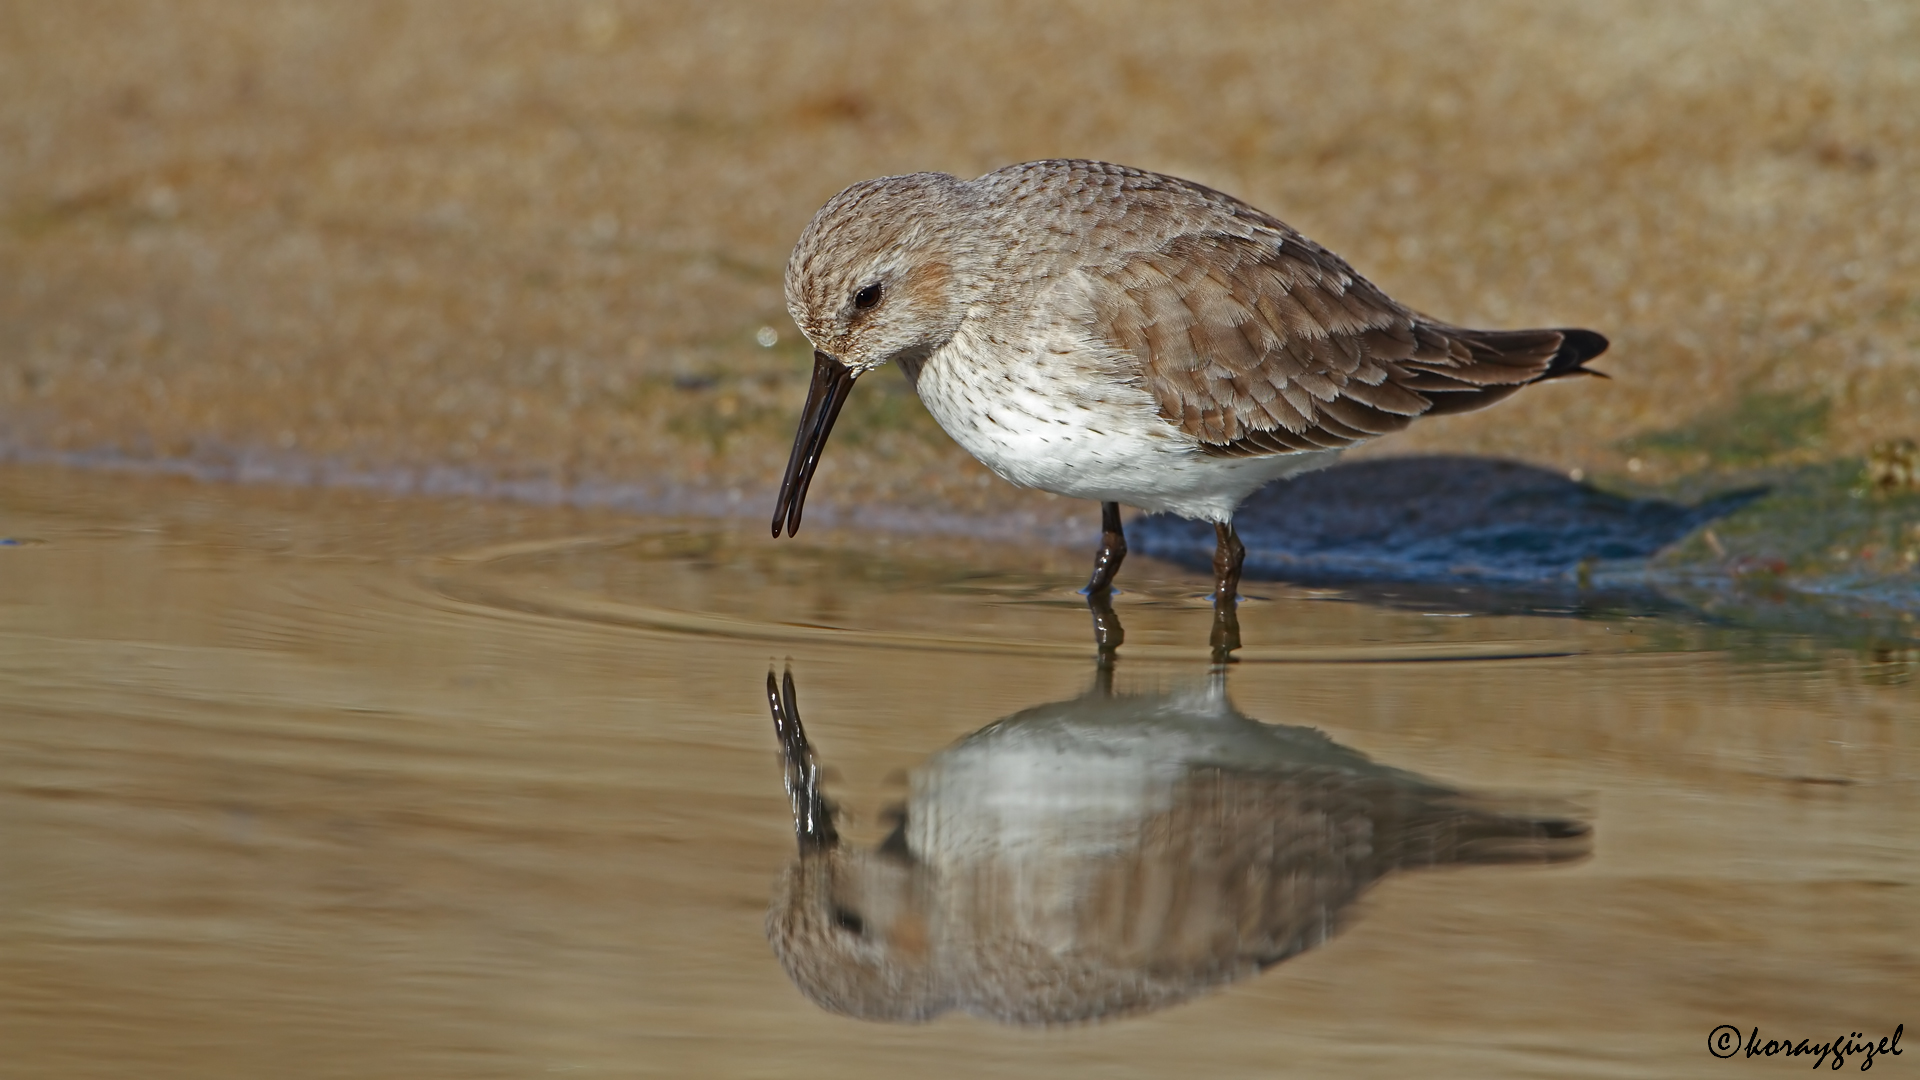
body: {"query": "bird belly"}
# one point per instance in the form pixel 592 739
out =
pixel 1052 421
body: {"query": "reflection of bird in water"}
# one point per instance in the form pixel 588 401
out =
pixel 1109 855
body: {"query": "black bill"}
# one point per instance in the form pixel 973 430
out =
pixel 831 381
pixel 812 816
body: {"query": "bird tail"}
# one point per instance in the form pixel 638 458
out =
pixel 1466 830
pixel 1503 361
pixel 1576 348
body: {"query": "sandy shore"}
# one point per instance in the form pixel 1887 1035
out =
pixel 528 248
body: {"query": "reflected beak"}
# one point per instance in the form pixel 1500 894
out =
pixel 831 382
pixel 812 816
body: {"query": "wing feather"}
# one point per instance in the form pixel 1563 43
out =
pixel 1269 344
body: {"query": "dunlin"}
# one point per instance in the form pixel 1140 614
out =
pixel 1113 334
pixel 1109 855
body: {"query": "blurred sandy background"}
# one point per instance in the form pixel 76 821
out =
pixel 528 247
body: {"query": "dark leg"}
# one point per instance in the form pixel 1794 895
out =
pixel 1113 551
pixel 1107 634
pixel 1228 555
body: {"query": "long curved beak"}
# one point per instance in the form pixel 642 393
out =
pixel 812 815
pixel 831 382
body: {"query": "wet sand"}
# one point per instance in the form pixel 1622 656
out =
pixel 526 249
pixel 328 784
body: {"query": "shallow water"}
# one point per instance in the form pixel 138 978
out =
pixel 322 784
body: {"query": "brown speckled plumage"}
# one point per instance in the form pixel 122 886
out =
pixel 1108 333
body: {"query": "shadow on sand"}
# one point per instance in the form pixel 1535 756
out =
pixel 1438 520
pixel 1486 536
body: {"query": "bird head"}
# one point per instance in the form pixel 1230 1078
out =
pixel 877 276
pixel 852 930
pixel 851 927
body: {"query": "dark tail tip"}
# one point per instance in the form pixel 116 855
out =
pixel 1576 348
pixel 1563 830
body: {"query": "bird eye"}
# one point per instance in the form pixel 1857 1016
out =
pixel 848 921
pixel 866 297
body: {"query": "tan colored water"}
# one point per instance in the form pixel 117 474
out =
pixel 324 785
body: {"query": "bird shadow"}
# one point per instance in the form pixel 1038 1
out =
pixel 1480 533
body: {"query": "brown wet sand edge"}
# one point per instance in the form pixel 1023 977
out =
pixel 1783 549
pixel 1056 520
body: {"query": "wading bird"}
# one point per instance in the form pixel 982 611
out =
pixel 1118 335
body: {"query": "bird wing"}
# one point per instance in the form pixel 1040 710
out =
pixel 1268 343
pixel 1247 868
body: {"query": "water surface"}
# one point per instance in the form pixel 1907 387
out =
pixel 328 785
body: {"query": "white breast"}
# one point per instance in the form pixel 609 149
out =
pixel 1046 405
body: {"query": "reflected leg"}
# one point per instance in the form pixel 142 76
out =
pixel 1107 634
pixel 1228 556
